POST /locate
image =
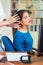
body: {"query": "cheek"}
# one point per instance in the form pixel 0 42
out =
pixel 29 21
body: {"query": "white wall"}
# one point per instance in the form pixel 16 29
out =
pixel 7 8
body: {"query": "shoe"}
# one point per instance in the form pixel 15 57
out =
pixel 31 52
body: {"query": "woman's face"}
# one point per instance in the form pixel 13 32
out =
pixel 26 19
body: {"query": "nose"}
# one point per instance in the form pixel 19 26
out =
pixel 30 19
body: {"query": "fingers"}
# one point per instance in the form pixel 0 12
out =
pixel 16 17
pixel 17 26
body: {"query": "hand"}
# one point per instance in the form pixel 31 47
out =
pixel 17 25
pixel 13 19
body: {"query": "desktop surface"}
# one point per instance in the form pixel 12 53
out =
pixel 34 60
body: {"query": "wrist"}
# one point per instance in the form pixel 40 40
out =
pixel 8 22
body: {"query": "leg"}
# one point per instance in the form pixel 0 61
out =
pixel 7 43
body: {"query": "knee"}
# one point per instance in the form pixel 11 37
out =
pixel 4 37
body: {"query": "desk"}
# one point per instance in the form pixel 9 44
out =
pixel 34 59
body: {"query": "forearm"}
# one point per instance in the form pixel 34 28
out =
pixel 11 25
pixel 14 25
pixel 3 23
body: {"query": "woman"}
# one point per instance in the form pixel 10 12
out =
pixel 22 39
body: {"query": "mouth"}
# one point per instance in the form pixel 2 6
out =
pixel 29 21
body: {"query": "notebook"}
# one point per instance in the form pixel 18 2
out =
pixel 14 56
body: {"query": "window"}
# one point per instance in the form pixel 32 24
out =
pixel 35 27
pixel 31 27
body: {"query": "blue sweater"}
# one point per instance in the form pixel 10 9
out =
pixel 22 41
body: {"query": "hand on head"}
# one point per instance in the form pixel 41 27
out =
pixel 17 25
pixel 14 18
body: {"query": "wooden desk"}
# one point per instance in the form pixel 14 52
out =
pixel 34 59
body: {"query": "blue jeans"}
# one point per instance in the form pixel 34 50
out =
pixel 7 43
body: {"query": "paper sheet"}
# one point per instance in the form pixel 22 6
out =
pixel 14 56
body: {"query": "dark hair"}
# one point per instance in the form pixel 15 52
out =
pixel 13 12
pixel 20 13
